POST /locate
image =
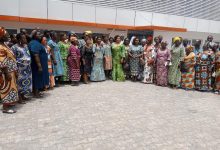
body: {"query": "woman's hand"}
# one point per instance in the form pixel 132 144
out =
pixel 122 60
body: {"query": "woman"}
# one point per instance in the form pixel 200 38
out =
pixel 149 56
pixel 111 40
pixel 58 62
pixel 8 69
pixel 98 73
pixel 39 64
pixel 178 54
pixel 126 66
pixel 50 64
pixel 162 61
pixel 135 53
pixel 73 61
pixel 23 58
pixel 143 42
pixel 157 46
pixel 217 72
pixel 204 68
pixel 107 57
pixel 64 47
pixel 118 57
pixel 188 77
pixel 87 59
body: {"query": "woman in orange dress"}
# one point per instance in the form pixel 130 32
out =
pixel 8 70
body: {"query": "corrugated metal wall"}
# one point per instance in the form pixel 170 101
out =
pixel 202 9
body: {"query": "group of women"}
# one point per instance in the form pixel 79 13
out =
pixel 38 62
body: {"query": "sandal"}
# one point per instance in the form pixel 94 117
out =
pixel 9 111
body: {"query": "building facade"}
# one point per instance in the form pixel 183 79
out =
pixel 190 19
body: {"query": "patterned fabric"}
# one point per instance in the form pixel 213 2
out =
pixel 23 58
pixel 87 56
pixel 126 66
pixel 174 74
pixel 57 69
pixel 162 59
pixel 118 52
pixel 156 48
pixel 64 47
pixel 149 56
pixel 8 89
pixel 204 65
pixel 74 63
pixel 50 68
pixel 107 57
pixel 135 66
pixel 39 80
pixel 188 78
pixel 217 71
pixel 98 73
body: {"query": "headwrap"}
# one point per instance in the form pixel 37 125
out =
pixel 2 32
pixel 88 32
pixel 190 48
pixel 176 39
pixel 71 33
pixel 164 42
pixel 132 39
pixel 143 40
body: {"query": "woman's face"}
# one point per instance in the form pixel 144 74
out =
pixel 99 40
pixel 163 45
pixel 23 39
pixel 118 40
pixel 126 42
pixel 111 40
pixel 156 40
pixel 88 42
pixel 177 43
pixel 44 41
pixel 64 37
pixel 136 42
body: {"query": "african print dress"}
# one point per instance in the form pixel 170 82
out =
pixel 8 89
pixel 149 56
pixel 203 77
pixel 64 48
pixel 188 77
pixel 126 66
pixel 217 71
pixel 73 61
pixel 135 66
pixel 23 58
pixel 162 60
pixel 174 74
pixel 118 52
pixel 58 68
pixel 50 68
pixel 107 56
pixel 98 73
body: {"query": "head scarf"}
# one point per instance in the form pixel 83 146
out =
pixel 88 32
pixel 132 39
pixel 143 40
pixel 165 42
pixel 2 32
pixel 176 39
pixel 190 48
pixel 150 38
pixel 71 33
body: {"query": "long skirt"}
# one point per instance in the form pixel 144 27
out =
pixel 8 90
pixel 74 72
pixel 65 71
pixel 187 80
pixel 148 74
pixel 161 75
pixel 98 73
pixel 117 71
pixel 24 80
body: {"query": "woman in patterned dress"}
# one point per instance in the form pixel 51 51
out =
pixel 187 80
pixel 217 72
pixel 23 58
pixel 57 62
pixel 157 46
pixel 8 69
pixel 118 57
pixel 162 61
pixel 177 55
pixel 126 66
pixel 204 68
pixel 135 53
pixel 64 47
pixel 149 56
pixel 107 57
pixel 73 61
pixel 98 73
pixel 87 60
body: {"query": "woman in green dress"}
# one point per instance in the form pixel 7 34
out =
pixel 177 55
pixel 118 55
pixel 64 47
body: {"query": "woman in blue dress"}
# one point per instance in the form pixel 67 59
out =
pixel 39 63
pixel 98 73
pixel 57 63
pixel 23 58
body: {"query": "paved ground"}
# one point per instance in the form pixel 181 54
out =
pixel 115 116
